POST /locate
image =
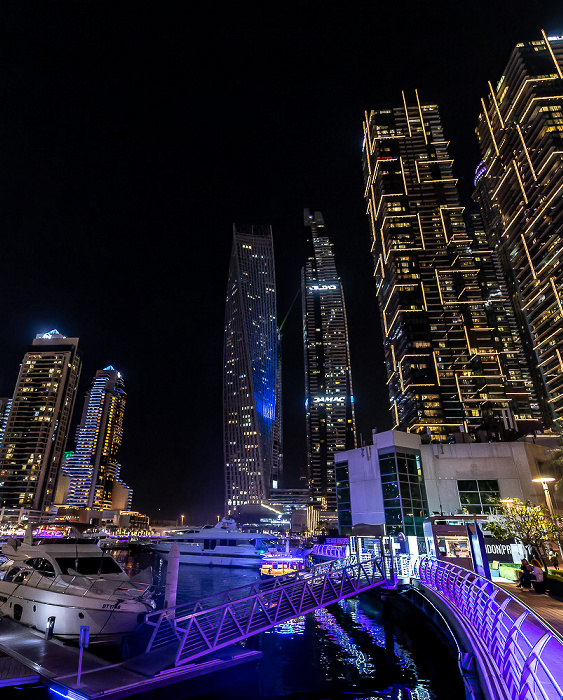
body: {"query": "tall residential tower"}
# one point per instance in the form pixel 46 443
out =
pixel 328 379
pixel 520 191
pixel 251 401
pixel 453 357
pixel 93 468
pixel 37 426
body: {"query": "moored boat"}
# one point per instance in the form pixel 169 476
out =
pixel 216 545
pixel 74 582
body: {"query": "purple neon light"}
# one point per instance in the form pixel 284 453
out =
pixel 525 651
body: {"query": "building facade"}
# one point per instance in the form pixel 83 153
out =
pixel 453 357
pixel 93 467
pixel 251 397
pixel 38 423
pixel 519 186
pixel 329 399
pixel 398 481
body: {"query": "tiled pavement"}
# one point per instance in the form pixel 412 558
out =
pixel 547 606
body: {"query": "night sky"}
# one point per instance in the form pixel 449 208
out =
pixel 132 136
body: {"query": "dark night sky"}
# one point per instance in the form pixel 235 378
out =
pixel 132 136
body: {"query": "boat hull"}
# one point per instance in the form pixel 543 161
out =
pixel 109 620
pixel 204 559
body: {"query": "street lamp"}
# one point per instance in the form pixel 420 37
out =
pixel 544 481
pixel 182 520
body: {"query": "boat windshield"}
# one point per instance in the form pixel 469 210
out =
pixel 89 566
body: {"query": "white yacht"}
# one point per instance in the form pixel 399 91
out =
pixel 217 545
pixel 74 582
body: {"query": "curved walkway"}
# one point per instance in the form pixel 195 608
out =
pixel 547 606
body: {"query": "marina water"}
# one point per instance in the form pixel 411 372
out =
pixel 330 654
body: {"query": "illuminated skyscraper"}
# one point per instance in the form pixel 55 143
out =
pixel 37 426
pixel 453 356
pixel 5 406
pixel 520 191
pixel 251 400
pixel 93 467
pixel 329 399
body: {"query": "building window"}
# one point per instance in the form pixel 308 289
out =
pixel 404 494
pixel 479 496
pixel 343 504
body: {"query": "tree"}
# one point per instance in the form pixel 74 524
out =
pixel 530 524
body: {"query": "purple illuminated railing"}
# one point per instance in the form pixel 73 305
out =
pixel 526 652
pixel 196 629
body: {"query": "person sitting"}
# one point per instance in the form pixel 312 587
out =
pixel 525 569
pixel 538 582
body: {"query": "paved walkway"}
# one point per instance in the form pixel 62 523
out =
pixel 545 605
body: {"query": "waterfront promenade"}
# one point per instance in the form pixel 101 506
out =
pixel 546 605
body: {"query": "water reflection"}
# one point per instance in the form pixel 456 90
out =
pixel 330 654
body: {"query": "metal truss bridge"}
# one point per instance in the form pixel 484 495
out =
pixel 208 624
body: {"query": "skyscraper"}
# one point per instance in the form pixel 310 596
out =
pixel 37 427
pixel 251 401
pixel 329 399
pixel 519 186
pixel 453 357
pixel 93 467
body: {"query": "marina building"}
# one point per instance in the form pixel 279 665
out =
pixel 329 399
pixel 251 397
pixel 519 186
pixel 93 467
pixel 452 353
pixel 38 423
pixel 398 481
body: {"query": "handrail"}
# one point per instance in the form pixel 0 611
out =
pixel 526 652
pixel 217 621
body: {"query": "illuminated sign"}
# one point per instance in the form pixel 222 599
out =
pixel 329 399
pixel 322 287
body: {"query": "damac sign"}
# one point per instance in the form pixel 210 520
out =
pixel 329 399
pixel 322 287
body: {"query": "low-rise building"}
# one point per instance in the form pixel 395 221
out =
pixel 398 481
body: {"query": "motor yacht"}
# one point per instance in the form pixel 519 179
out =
pixel 67 583
pixel 221 544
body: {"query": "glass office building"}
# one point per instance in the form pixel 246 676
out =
pixel 329 399
pixel 453 356
pixel 251 396
pixel 519 186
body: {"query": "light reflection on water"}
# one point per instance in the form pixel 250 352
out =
pixel 338 652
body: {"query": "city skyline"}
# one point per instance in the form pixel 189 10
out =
pixel 119 192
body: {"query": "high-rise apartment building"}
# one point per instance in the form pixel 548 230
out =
pixel 329 399
pixel 37 426
pixel 251 400
pixel 93 467
pixel 453 358
pixel 5 406
pixel 519 186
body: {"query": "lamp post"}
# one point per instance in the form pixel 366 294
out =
pixel 544 481
pixel 182 520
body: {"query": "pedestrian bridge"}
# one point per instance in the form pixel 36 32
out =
pixel 208 624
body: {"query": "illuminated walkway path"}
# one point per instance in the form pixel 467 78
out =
pixel 549 607
pixel 519 654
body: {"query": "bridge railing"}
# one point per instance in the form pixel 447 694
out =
pixel 199 628
pixel 527 652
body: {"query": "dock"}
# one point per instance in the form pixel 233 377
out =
pixel 31 658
